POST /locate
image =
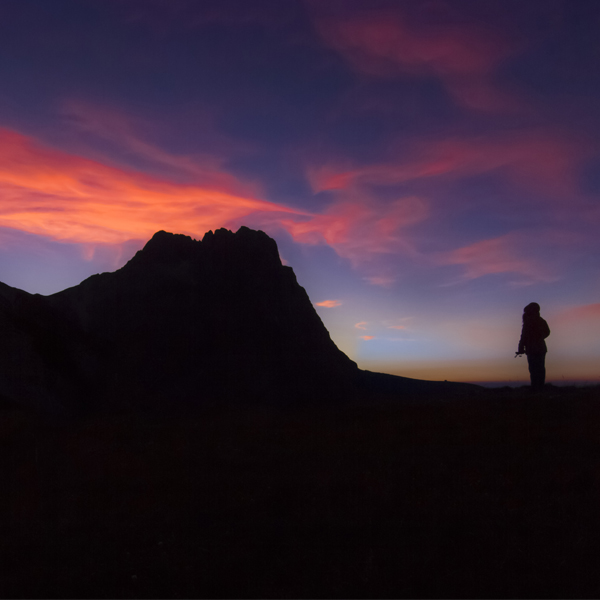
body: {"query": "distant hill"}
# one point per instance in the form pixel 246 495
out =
pixel 183 323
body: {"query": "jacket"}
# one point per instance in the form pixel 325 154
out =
pixel 535 331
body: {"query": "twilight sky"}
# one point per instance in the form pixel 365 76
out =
pixel 427 168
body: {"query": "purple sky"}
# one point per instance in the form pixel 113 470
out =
pixel 427 168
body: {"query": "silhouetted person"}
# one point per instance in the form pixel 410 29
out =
pixel 535 331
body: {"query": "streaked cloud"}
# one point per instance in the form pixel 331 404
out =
pixel 361 325
pixel 360 227
pixel 379 41
pixel 367 337
pixel 381 280
pixel 329 303
pixel 65 197
pixel 388 42
pixel 587 312
pixel 540 159
pixel 495 256
pixel 129 136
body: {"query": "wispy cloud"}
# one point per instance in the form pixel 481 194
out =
pixel 62 196
pixel 540 167
pixel 361 325
pixel 539 159
pixel 361 227
pixel 587 312
pixel 381 280
pixel 129 137
pixel 329 303
pixel 367 337
pixel 387 43
pixel 495 256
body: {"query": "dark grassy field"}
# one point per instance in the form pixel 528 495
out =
pixel 494 496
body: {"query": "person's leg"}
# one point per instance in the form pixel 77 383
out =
pixel 537 370
pixel 542 371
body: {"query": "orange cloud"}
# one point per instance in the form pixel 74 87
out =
pixel 361 325
pixel 397 327
pixel 52 193
pixel 62 196
pixel 329 303
pixel 367 337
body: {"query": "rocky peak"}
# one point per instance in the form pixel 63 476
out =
pixel 165 247
pixel 246 244
pixel 246 248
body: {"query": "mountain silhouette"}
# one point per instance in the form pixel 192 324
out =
pixel 184 323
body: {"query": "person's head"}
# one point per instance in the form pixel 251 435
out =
pixel 531 310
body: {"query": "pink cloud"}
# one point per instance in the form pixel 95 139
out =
pixel 541 160
pixel 381 280
pixel 483 94
pixel 329 303
pixel 129 133
pixel 586 312
pixel 386 43
pixel 397 327
pixel 362 229
pixel 367 337
pixel 62 196
pixel 336 226
pixel 361 325
pixel 504 254
pixel 359 228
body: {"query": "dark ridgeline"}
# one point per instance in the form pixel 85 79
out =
pixel 183 323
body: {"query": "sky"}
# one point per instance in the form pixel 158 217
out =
pixel 427 168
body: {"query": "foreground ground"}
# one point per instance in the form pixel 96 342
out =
pixel 495 496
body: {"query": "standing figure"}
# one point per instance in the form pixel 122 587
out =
pixel 535 331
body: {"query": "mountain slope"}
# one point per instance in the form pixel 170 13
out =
pixel 183 321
